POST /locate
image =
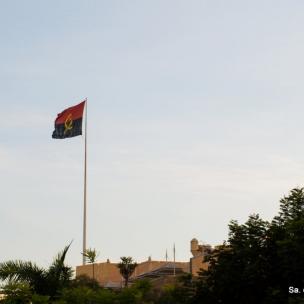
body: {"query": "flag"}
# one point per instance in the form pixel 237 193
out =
pixel 69 122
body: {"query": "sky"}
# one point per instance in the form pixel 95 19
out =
pixel 194 119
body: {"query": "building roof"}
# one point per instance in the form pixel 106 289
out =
pixel 164 270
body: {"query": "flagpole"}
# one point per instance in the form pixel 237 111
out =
pixel 174 259
pixel 84 244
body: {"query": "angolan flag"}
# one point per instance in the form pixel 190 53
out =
pixel 69 122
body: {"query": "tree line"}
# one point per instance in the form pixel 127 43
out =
pixel 262 262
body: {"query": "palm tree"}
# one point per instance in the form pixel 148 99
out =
pixel 42 281
pixel 91 255
pixel 126 268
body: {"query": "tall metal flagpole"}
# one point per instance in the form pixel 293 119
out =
pixel 84 245
pixel 174 259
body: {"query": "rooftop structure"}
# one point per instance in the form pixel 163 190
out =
pixel 108 275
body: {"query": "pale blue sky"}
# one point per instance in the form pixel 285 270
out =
pixel 195 118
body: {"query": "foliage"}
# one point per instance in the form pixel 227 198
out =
pixel 91 255
pixel 59 275
pixel 138 293
pixel 84 295
pixel 17 292
pixel 126 268
pixel 258 264
pixel 24 272
pixel 84 281
pixel 260 260
pixel 40 299
pixel 41 281
pixel 180 291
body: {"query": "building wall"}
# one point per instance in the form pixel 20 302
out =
pixel 197 264
pixel 107 273
pixel 199 251
pixel 103 272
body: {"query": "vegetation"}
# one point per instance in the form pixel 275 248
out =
pixel 91 255
pixel 126 268
pixel 261 262
pixel 24 276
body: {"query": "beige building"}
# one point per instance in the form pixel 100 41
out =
pixel 108 275
pixel 199 252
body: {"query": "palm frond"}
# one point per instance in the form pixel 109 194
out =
pixel 45 282
pixel 58 270
pixel 21 271
pixel 90 255
pixel 60 258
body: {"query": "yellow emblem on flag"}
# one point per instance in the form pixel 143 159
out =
pixel 68 124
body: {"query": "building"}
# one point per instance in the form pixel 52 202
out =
pixel 199 252
pixel 108 275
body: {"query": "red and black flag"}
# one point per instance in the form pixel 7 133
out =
pixel 69 122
